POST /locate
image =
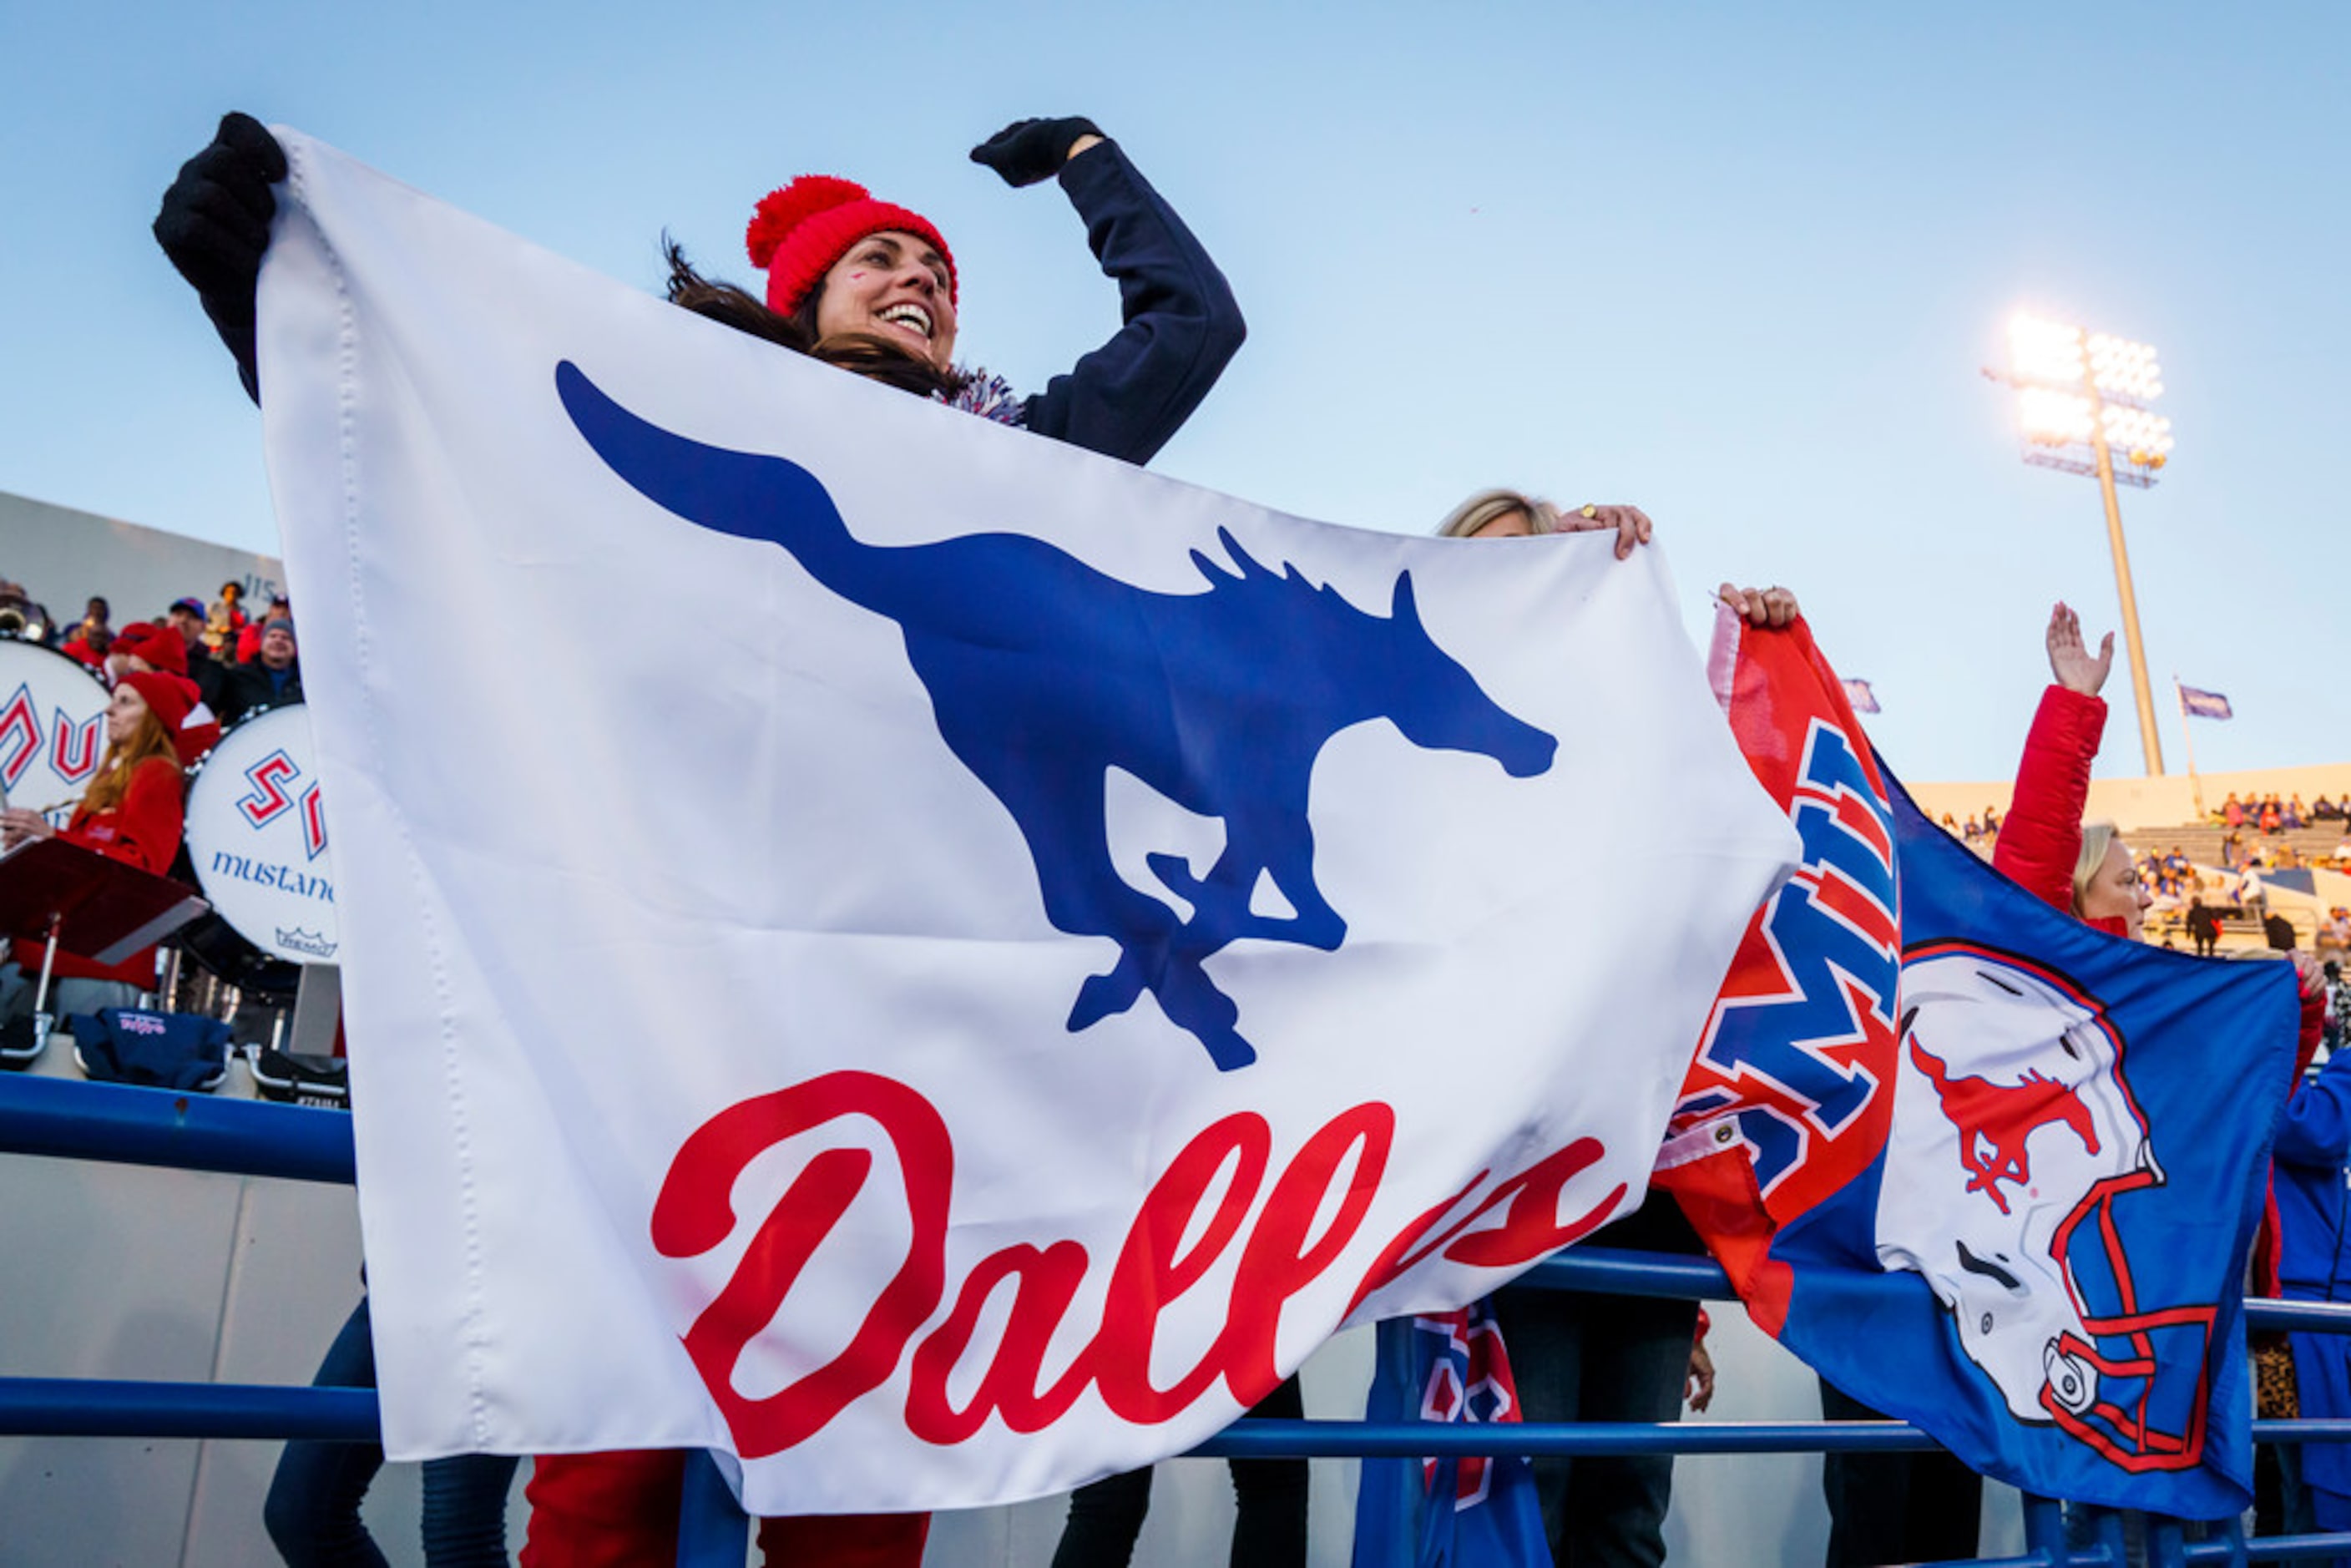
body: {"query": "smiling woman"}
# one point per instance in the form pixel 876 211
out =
pixel 871 287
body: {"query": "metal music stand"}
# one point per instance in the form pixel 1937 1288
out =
pixel 77 901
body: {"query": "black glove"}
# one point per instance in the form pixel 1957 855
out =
pixel 1027 151
pixel 214 226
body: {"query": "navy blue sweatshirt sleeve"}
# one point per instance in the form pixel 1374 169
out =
pixel 1129 396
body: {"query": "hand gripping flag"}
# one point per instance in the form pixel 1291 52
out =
pixel 906 953
pixel 2010 1198
pixel 1473 1512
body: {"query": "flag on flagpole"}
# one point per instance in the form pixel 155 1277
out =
pixel 1952 1144
pixel 2204 705
pixel 952 1018
pixel 1857 693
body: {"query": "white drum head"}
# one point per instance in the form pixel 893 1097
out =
pixel 52 727
pixel 259 840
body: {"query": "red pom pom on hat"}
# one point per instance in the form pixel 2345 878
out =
pixel 782 211
pixel 798 231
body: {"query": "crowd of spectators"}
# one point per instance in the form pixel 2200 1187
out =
pixel 233 664
pixel 2268 814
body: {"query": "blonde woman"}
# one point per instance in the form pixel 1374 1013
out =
pixel 1508 514
pixel 1579 1357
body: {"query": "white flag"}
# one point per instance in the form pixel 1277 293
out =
pixel 931 961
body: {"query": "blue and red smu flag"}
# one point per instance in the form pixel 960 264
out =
pixel 1470 1512
pixel 1984 1167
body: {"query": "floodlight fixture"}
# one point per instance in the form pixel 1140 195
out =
pixel 2081 408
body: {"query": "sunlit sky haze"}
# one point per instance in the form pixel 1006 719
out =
pixel 1740 266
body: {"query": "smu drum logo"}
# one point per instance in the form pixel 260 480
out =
pixel 1044 675
pixel 272 796
pixel 1806 1012
pixel 2013 1080
pixel 251 803
pixel 71 749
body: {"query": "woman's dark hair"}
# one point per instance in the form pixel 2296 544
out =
pixel 875 358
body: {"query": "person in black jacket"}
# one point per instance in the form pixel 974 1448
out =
pixel 870 287
pixel 274 679
pixel 896 322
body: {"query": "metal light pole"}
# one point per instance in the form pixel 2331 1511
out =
pixel 2081 396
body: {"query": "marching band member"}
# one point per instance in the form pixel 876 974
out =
pixel 144 645
pixel 131 812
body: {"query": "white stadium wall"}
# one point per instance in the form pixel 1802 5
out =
pixel 63 557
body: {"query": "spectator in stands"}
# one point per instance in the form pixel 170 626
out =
pixel 186 617
pixel 1991 823
pixel 1950 824
pixel 1972 832
pixel 2291 815
pixel 2046 835
pixel 870 287
pixel 89 644
pixel 2271 819
pixel 2232 851
pixel 2249 895
pixel 1579 1357
pixel 95 626
pixel 2334 931
pixel 248 642
pixel 312 1511
pixel 2325 810
pixel 2233 810
pixel 2313 1257
pixel 2203 928
pixel 225 620
pixel 130 813
pixel 274 679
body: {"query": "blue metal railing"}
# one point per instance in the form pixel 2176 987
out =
pixel 65 1119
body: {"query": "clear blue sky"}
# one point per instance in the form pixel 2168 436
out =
pixel 1738 264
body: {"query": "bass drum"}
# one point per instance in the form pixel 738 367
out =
pixel 256 842
pixel 52 727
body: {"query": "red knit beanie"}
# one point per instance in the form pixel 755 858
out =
pixel 168 696
pixel 159 646
pixel 800 231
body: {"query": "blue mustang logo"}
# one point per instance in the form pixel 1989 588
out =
pixel 1044 674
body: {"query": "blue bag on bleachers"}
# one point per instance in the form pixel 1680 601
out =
pixel 162 1051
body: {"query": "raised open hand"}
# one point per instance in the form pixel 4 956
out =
pixel 2073 665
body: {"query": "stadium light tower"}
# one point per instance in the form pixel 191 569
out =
pixel 2081 408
